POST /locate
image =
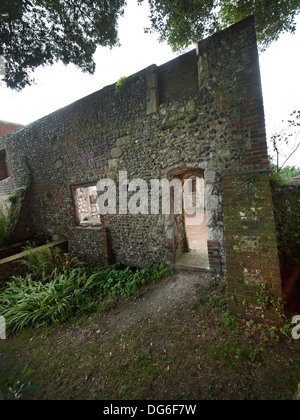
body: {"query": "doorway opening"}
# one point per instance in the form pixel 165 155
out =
pixel 195 217
pixel 190 230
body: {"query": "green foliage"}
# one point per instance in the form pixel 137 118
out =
pixel 114 282
pixel 272 18
pixel 186 22
pixel 211 297
pixel 284 174
pixel 45 263
pixel 19 386
pixel 267 300
pixel 230 320
pixel 183 23
pixel 39 32
pixel 234 355
pixel 29 303
pixel 120 85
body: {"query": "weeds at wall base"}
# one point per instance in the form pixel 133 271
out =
pixel 237 323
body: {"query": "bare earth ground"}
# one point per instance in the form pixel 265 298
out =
pixel 153 348
pixel 157 300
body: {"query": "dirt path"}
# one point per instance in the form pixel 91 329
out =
pixel 156 300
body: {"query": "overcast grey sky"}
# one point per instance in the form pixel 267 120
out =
pixel 60 85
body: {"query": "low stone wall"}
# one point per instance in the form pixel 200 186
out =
pixel 12 266
pixel 11 250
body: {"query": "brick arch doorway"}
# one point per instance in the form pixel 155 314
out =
pixel 190 233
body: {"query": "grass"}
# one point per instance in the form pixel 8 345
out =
pixel 189 353
pixel 26 302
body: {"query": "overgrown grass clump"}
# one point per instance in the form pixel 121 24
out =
pixel 27 302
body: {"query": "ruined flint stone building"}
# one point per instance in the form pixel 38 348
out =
pixel 199 115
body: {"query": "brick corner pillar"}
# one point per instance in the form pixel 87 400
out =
pixel 250 243
pixel 251 246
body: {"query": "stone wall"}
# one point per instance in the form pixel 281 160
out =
pixel 201 112
pixel 90 244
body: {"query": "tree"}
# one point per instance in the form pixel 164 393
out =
pixel 182 23
pixel 284 174
pixel 38 32
pixel 282 141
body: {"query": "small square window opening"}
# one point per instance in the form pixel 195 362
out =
pixel 87 208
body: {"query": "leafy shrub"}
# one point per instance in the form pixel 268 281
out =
pixel 47 263
pixel 120 85
pixel 19 386
pixel 65 263
pixel 126 282
pixel 28 303
pixel 41 264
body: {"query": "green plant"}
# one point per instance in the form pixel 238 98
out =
pixel 230 320
pixel 120 85
pixel 65 263
pixel 212 297
pixel 19 386
pixel 122 391
pixel 27 302
pixel 266 300
pixel 113 281
pixel 42 264
pixel 254 355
